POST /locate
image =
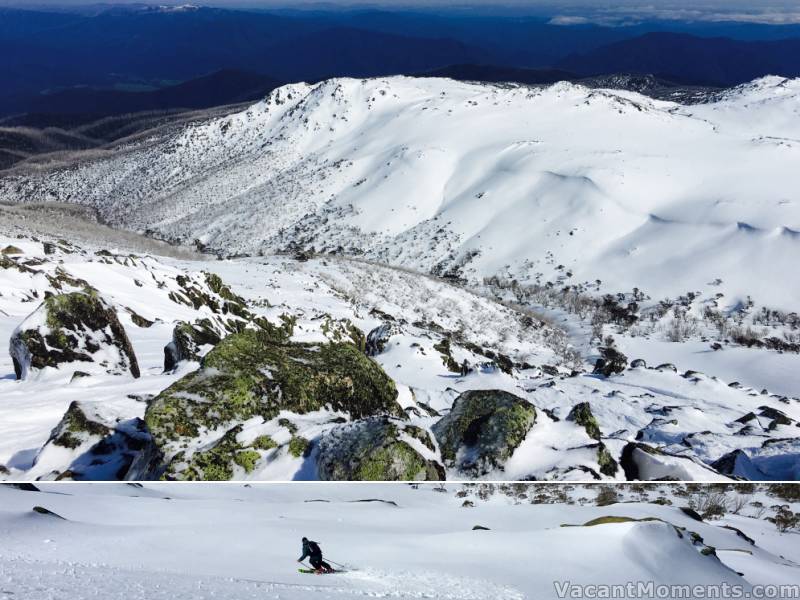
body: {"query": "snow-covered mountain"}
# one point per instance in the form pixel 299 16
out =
pixel 179 542
pixel 554 183
pixel 606 276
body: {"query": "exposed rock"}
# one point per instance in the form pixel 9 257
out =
pixel 188 340
pixel 581 414
pixel 667 367
pixel 76 428
pixel 139 320
pixel 741 534
pixel 8 250
pixel 690 512
pixel 79 375
pixel 215 463
pixel 737 464
pixel 343 330
pixel 100 450
pixel 638 363
pixel 608 466
pixel 68 328
pixel 47 512
pixel 483 429
pixel 480 528
pixel 25 487
pixel 379 337
pixel 374 449
pixel 778 417
pixel 642 463
pixel 443 348
pixel 251 374
pixel 612 361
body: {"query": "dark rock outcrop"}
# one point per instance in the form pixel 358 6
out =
pixel 611 362
pixel 188 340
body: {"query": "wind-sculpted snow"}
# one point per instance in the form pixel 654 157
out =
pixel 561 182
pixel 177 542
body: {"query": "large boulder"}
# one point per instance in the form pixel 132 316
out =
pixel 737 464
pixel 88 444
pixel 254 374
pixel 483 429
pixel 379 337
pixel 189 340
pixel 78 327
pixel 611 362
pixel 377 449
pixel 642 462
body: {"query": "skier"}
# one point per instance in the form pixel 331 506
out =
pixel 312 550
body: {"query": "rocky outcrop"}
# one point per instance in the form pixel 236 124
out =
pixel 253 374
pixel 98 449
pixel 377 449
pixel 611 362
pixel 188 340
pixel 78 327
pixel 641 462
pixel 581 414
pixel 738 464
pixel 483 429
pixel 379 337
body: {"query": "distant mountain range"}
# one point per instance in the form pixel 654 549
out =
pixel 689 59
pixel 93 60
pixel 222 87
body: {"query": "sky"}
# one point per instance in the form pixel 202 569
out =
pixel 563 12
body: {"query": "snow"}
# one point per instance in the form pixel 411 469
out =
pixel 694 417
pixel 611 184
pixel 224 541
pixel 519 195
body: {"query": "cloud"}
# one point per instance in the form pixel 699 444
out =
pixel 569 20
pixel 629 13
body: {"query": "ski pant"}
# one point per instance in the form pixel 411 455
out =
pixel 318 563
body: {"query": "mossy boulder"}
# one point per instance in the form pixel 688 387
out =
pixel 100 447
pixel 376 449
pixel 483 429
pixel 343 330
pixel 251 374
pixel 78 327
pixel 581 414
pixel 77 428
pixel 214 463
pixel 188 340
pixel 608 466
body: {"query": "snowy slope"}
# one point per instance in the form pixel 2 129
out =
pixel 228 541
pixel 440 175
pixel 697 417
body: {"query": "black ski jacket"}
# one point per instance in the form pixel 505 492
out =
pixel 311 549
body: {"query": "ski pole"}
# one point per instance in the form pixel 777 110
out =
pixel 334 562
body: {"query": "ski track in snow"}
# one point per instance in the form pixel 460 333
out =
pixel 26 579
